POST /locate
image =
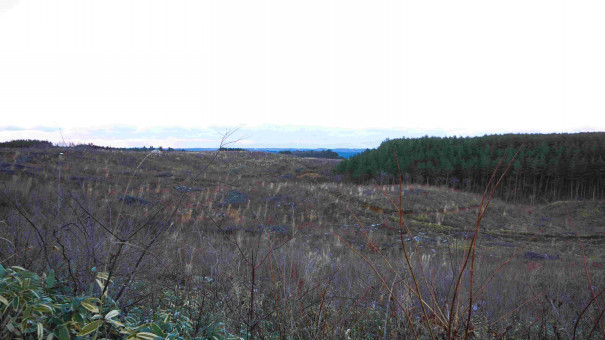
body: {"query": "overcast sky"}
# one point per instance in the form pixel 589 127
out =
pixel 325 73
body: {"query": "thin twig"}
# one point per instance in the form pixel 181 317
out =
pixel 584 310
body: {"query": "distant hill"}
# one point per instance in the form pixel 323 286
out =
pixel 342 152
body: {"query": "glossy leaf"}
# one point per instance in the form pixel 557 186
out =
pixel 39 330
pixel 90 306
pixel 146 336
pixel 112 314
pixel 91 327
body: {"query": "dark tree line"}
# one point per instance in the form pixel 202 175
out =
pixel 328 154
pixel 231 149
pixel 25 143
pixel 548 167
pixel 29 143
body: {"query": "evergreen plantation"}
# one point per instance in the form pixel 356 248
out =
pixel 548 167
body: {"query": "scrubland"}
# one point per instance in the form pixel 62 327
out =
pixel 253 245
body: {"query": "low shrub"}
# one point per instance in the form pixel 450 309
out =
pixel 41 307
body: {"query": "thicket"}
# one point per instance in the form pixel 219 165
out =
pixel 43 307
pixel 548 167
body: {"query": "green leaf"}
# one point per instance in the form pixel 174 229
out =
pixel 40 330
pixel 3 300
pixel 34 293
pixel 128 330
pixel 28 311
pixel 156 329
pixel 101 284
pixel 42 308
pixel 16 302
pixel 146 336
pixel 93 300
pixel 90 306
pixel 63 333
pixel 91 303
pixel 91 327
pixel 112 314
pixel 116 323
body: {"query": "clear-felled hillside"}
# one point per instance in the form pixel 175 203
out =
pixel 253 244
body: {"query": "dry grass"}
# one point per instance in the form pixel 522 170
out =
pixel 276 246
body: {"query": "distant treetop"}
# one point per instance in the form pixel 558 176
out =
pixel 328 154
pixel 25 143
pixel 231 149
